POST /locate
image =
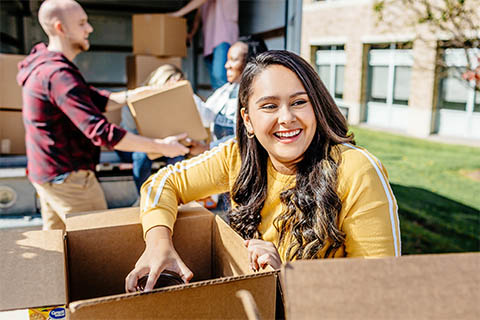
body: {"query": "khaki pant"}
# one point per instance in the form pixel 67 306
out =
pixel 80 192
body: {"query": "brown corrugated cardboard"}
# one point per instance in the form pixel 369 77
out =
pixel 159 35
pixel 12 132
pixel 139 67
pixel 10 91
pixel 443 286
pixel 168 112
pixel 102 247
pixel 32 269
pixel 114 116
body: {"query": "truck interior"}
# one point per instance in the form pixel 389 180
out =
pixel 103 66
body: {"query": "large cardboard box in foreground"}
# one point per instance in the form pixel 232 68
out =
pixel 139 67
pixel 445 286
pixel 10 91
pixel 159 35
pixel 12 132
pixel 87 270
pixel 168 112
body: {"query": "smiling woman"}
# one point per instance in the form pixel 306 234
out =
pixel 300 187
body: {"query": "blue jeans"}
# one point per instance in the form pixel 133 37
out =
pixel 215 63
pixel 142 166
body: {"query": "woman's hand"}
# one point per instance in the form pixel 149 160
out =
pixel 262 253
pixel 197 147
pixel 159 255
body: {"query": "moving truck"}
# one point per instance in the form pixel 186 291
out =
pixel 104 65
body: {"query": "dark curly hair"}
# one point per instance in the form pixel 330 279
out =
pixel 309 223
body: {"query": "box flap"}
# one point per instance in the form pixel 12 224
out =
pixel 32 269
pixel 411 287
pixel 102 218
pixel 226 242
pixel 168 112
pixel 122 216
pixel 207 300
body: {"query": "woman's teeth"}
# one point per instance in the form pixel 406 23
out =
pixel 288 134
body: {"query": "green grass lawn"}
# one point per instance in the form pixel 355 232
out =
pixel 439 205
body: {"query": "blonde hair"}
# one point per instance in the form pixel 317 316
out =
pixel 160 76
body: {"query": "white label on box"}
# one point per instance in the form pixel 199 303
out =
pixel 6 146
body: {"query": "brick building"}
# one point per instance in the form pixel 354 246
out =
pixel 386 75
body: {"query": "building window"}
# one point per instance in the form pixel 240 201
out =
pixel 379 84
pixel 456 93
pixel 330 62
pixel 390 71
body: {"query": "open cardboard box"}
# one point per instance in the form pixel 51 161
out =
pixel 167 112
pixel 85 269
pixel 444 286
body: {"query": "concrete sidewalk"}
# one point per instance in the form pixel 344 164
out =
pixel 433 137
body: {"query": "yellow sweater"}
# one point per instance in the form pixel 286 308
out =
pixel 369 210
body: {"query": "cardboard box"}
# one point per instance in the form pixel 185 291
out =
pixel 87 271
pixel 168 112
pixel 10 91
pixel 445 286
pixel 159 35
pixel 12 132
pixel 114 116
pixel 139 68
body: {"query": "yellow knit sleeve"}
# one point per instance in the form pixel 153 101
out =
pixel 186 181
pixel 369 215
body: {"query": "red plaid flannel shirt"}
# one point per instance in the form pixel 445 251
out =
pixel 62 115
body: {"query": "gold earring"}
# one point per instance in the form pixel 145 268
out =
pixel 250 135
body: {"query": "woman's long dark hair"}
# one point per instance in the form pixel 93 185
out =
pixel 309 223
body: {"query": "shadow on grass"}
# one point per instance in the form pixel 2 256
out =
pixel 431 223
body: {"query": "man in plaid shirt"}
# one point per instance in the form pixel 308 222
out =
pixel 63 118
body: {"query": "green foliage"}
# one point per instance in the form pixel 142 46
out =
pixel 378 6
pixel 439 207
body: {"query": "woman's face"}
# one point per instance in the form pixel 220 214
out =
pixel 281 117
pixel 236 61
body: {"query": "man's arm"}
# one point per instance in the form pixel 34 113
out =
pixel 196 25
pixel 192 5
pixel 170 146
pixel 116 100
pixel 74 98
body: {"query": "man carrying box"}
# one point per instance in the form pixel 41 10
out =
pixel 64 122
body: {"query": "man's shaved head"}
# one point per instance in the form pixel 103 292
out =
pixel 55 10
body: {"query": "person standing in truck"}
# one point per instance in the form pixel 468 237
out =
pixel 220 31
pixel 63 118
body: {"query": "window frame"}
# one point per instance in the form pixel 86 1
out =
pixel 456 58
pixel 392 57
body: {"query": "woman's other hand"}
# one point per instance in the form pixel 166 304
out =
pixel 262 253
pixel 197 147
pixel 159 255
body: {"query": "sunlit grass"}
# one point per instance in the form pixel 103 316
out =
pixel 437 194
